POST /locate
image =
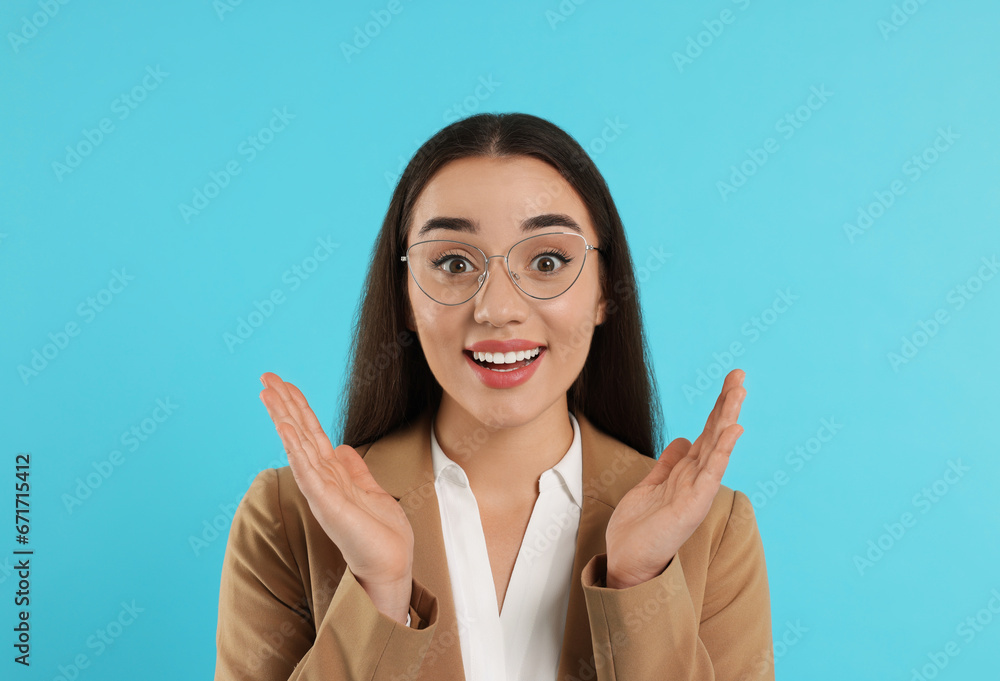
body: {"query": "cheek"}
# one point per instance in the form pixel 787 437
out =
pixel 422 309
pixel 437 326
pixel 572 323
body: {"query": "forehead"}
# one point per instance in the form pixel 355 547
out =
pixel 499 198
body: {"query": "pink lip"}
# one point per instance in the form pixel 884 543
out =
pixel 514 345
pixel 507 379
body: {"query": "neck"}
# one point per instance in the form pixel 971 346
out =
pixel 503 457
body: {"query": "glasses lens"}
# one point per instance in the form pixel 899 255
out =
pixel 543 266
pixel 546 265
pixel 447 271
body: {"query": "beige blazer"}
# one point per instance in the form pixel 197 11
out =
pixel 290 609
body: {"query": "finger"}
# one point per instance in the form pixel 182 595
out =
pixel 325 461
pixel 291 409
pixel 682 477
pixel 356 467
pixel 733 378
pixel 305 474
pixel 290 405
pixel 727 416
pixel 309 419
pixel 721 416
pixel 717 462
pixel 276 408
pixel 674 452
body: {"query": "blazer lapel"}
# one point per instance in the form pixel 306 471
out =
pixel 610 470
pixel 401 463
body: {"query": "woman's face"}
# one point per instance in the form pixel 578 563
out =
pixel 495 196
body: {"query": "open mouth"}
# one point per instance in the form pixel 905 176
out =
pixel 503 363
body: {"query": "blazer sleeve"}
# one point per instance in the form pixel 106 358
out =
pixel 265 629
pixel 652 630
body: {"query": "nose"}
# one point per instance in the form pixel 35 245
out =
pixel 499 301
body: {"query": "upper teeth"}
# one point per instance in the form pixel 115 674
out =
pixel 505 357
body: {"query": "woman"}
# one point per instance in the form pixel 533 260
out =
pixel 496 510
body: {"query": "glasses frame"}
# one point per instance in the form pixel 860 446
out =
pixel 483 278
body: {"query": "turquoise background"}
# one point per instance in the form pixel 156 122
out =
pixel 672 131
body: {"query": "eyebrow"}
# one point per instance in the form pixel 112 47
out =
pixel 527 225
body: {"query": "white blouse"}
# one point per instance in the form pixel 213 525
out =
pixel 523 641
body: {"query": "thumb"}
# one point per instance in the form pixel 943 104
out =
pixel 675 451
pixel 349 458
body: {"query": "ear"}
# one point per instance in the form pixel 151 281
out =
pixel 408 312
pixel 409 317
pixel 601 312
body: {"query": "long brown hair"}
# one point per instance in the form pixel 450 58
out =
pixel 388 381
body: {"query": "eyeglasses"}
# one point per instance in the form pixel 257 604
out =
pixel 543 266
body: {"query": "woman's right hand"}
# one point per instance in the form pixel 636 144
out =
pixel 367 524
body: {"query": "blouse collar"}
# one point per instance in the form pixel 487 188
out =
pixel 568 473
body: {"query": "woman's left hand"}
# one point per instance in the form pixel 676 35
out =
pixel 659 514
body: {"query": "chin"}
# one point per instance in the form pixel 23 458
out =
pixel 497 411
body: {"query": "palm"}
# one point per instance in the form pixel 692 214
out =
pixel 659 514
pixel 368 525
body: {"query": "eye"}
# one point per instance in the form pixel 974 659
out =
pixel 464 265
pixel 547 263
